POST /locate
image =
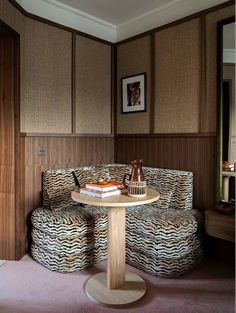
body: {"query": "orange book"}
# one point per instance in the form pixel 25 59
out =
pixel 112 185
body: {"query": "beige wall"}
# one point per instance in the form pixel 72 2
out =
pixel 178 78
pixel 93 86
pixel 46 104
pixel 46 98
pixel 46 78
pixel 185 77
pixel 133 58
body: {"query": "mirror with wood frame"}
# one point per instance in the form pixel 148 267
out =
pixel 226 113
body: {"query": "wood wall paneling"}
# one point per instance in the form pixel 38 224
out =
pixel 93 87
pixel 61 152
pixel 196 154
pixel 46 98
pixel 178 77
pixel 7 143
pixel 133 58
pixel 209 121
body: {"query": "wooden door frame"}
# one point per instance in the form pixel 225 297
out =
pixel 18 148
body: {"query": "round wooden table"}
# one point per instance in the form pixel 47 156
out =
pixel 116 287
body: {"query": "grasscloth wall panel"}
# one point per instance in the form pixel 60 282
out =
pixel 93 86
pixel 133 58
pixel 46 98
pixel 178 78
pixel 209 122
pixel 196 154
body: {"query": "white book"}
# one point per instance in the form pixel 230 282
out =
pixel 100 194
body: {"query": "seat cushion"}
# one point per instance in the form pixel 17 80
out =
pixel 71 221
pixel 161 224
pixel 70 245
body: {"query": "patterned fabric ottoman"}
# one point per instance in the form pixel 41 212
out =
pixel 163 239
pixel 69 239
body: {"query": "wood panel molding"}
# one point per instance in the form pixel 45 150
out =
pixel 63 135
pixel 166 135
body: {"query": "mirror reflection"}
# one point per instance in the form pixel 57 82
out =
pixel 228 111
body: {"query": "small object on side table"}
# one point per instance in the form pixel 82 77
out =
pixel 226 207
pixel 103 181
pixel 136 186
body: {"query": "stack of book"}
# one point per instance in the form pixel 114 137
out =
pixel 112 188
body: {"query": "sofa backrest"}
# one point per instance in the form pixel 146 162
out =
pixel 175 187
pixel 58 183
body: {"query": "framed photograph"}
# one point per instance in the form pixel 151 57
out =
pixel 134 93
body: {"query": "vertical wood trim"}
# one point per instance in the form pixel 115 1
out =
pixel 20 228
pixel 202 107
pixel 115 102
pixel 153 81
pixel 7 145
pixel 73 88
pixel 219 109
pixel 113 89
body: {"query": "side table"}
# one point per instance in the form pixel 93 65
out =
pixel 116 287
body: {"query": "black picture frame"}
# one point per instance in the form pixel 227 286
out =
pixel 133 93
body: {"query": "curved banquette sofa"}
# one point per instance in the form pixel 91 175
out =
pixel 162 238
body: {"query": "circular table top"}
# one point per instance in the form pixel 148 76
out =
pixel 116 201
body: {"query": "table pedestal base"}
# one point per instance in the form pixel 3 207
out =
pixel 133 289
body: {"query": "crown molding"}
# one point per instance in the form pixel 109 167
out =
pixel 63 14
pixel 165 14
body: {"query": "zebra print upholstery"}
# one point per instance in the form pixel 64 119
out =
pixel 163 239
pixel 69 239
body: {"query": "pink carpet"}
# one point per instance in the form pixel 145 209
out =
pixel 28 287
